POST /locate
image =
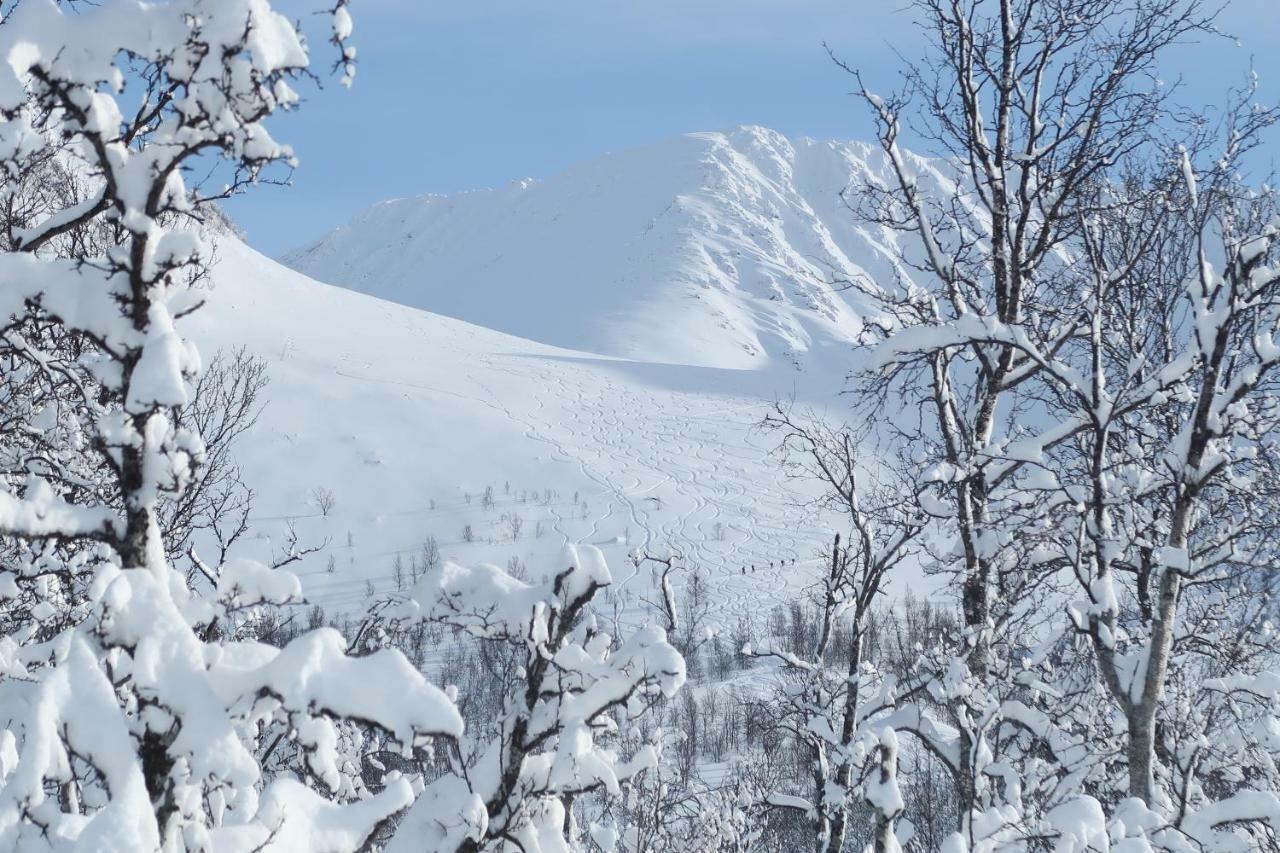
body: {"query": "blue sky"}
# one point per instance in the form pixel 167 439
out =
pixel 454 95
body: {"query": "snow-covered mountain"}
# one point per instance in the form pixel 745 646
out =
pixel 711 249
pixel 615 335
pixel 410 417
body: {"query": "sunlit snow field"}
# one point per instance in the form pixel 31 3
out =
pixel 408 417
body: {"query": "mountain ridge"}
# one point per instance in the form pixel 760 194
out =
pixel 713 249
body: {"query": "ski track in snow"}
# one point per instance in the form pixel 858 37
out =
pixel 669 471
pixel 708 486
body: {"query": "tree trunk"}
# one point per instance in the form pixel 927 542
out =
pixel 823 817
pixel 844 775
pixel 1142 720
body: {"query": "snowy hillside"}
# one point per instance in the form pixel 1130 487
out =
pixel 712 249
pixel 409 417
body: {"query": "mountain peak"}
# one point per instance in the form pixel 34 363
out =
pixel 716 249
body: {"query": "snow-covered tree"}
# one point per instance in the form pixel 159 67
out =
pixel 549 740
pixel 832 699
pixel 659 813
pixel 1037 351
pixel 1165 506
pixel 1086 318
pixel 130 725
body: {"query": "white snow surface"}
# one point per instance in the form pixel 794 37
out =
pixel 711 249
pixel 643 397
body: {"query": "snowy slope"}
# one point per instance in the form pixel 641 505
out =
pixel 403 414
pixel 712 249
